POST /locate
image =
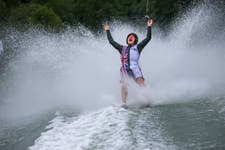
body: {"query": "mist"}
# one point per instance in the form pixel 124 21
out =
pixel 76 68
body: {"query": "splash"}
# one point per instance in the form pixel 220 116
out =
pixel 77 68
pixel 109 128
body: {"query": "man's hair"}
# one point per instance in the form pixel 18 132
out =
pixel 136 38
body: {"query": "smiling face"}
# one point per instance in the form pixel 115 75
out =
pixel 131 39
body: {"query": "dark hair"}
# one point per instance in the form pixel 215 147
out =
pixel 136 38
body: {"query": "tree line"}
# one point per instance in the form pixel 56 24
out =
pixel 90 13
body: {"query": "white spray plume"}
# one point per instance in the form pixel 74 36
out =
pixel 82 70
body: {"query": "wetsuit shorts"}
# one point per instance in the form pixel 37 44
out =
pixel 133 73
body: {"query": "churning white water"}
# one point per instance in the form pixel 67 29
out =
pixel 76 67
pixel 110 128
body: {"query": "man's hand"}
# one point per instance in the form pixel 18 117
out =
pixel 150 22
pixel 106 27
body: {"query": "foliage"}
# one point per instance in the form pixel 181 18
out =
pixel 164 12
pixel 63 8
pixel 45 16
pixel 91 13
pixel 34 14
pixel 20 14
pixel 2 10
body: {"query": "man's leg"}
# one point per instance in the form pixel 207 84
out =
pixel 124 92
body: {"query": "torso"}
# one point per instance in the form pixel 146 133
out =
pixel 130 57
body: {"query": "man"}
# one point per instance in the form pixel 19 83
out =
pixel 130 57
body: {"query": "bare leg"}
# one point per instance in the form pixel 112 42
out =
pixel 143 93
pixel 124 92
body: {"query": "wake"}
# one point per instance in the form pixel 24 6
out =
pixel 109 128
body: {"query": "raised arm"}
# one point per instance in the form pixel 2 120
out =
pixel 111 41
pixel 144 42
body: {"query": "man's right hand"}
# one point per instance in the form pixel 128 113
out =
pixel 106 27
pixel 150 22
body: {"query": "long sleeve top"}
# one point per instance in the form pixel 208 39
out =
pixel 140 46
pixel 130 54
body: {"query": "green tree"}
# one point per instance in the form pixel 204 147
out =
pixel 92 13
pixel 20 14
pixel 64 9
pixel 12 3
pixel 34 14
pixel 44 16
pixel 164 12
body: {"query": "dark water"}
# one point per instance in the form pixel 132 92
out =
pixel 193 125
pixel 18 134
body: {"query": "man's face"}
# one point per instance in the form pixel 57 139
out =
pixel 131 39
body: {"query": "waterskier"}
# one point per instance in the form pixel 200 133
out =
pixel 130 57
